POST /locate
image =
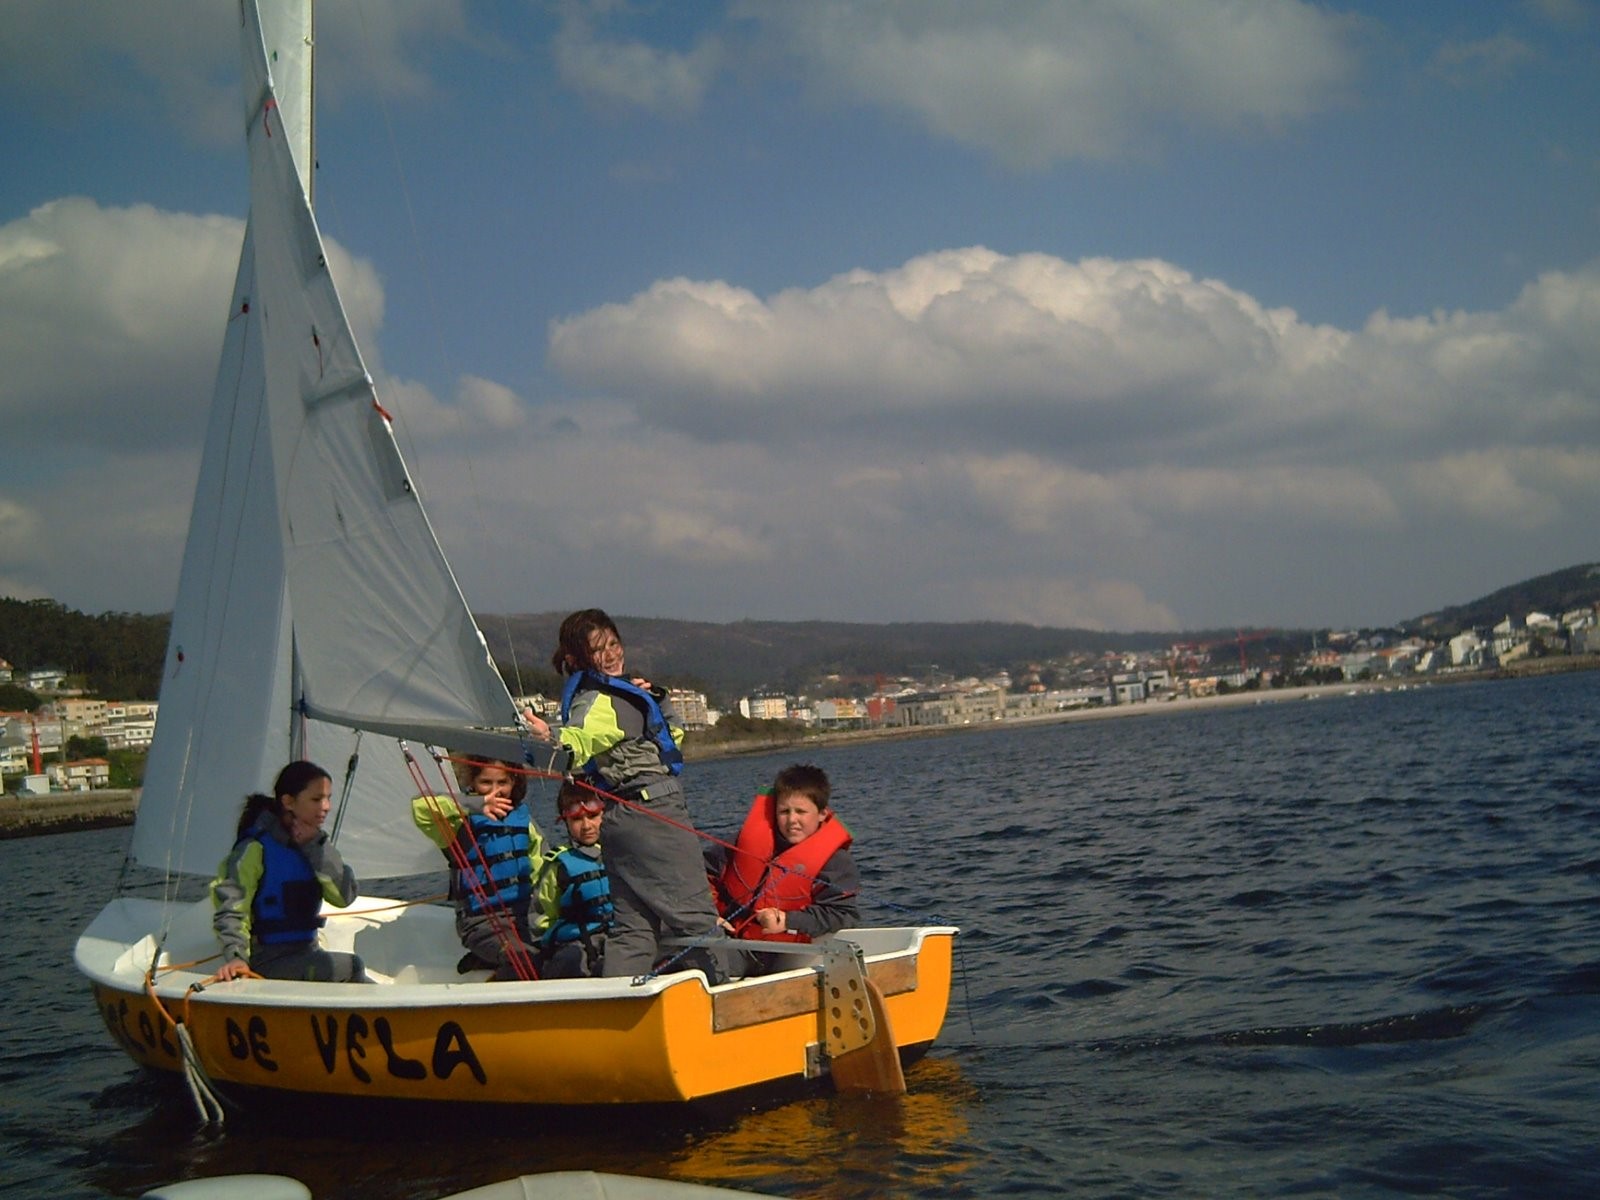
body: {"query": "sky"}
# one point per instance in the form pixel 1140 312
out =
pixel 1118 314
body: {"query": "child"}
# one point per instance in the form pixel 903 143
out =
pixel 790 877
pixel 574 891
pixel 269 890
pixel 490 840
pixel 623 736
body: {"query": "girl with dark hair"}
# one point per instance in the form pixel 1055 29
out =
pixel 623 734
pixel 268 892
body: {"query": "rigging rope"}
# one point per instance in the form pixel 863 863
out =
pixel 716 932
pixel 461 847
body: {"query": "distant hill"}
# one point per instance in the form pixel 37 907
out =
pixel 738 658
pixel 745 656
pixel 1551 594
pixel 121 653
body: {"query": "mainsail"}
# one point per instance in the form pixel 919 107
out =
pixel 314 601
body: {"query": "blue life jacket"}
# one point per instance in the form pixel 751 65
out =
pixel 497 856
pixel 584 905
pixel 656 728
pixel 288 900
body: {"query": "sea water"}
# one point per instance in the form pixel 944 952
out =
pixel 1336 947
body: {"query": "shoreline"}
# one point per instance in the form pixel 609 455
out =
pixel 71 812
pixel 1146 708
pixel 66 812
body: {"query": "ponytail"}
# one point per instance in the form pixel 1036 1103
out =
pixel 254 806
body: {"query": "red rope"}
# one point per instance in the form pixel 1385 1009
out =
pixel 774 869
pixel 458 841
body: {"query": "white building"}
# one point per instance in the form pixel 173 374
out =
pixel 1467 649
pixel 765 708
pixel 81 775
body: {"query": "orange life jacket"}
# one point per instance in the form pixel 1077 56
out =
pixel 754 877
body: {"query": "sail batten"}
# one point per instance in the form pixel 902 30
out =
pixel 315 601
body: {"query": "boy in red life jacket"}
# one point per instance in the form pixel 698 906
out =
pixel 790 876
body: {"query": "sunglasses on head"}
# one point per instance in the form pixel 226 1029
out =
pixel 591 807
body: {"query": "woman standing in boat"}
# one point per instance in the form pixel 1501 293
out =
pixel 623 735
pixel 269 890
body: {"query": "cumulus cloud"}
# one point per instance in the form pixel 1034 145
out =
pixel 479 408
pixel 967 435
pixel 971 333
pixel 111 319
pixel 1098 360
pixel 1112 418
pixel 1035 82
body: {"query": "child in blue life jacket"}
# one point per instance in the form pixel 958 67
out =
pixel 269 890
pixel 574 891
pixel 491 841
pixel 623 734
pixel 790 876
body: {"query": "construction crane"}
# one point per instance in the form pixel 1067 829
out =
pixel 1254 635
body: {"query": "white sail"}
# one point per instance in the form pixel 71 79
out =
pixel 288 38
pixel 314 599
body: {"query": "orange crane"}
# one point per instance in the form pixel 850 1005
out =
pixel 1253 636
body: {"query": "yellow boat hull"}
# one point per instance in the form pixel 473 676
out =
pixel 670 1039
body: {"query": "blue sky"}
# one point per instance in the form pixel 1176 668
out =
pixel 1127 315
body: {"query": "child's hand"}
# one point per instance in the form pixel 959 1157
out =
pixel 497 806
pixel 772 920
pixel 232 969
pixel 541 729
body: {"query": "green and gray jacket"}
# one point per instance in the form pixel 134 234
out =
pixel 233 891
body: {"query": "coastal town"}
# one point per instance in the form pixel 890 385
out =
pixel 74 743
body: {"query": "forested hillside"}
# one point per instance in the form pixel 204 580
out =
pixel 1551 594
pixel 119 655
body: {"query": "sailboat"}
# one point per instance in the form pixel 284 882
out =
pixel 317 617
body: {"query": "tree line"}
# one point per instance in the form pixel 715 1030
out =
pixel 115 655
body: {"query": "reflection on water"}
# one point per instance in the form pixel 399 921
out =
pixel 846 1146
pixel 836 1147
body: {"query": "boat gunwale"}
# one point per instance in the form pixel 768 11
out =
pixel 177 984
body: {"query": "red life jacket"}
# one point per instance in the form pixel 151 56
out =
pixel 754 877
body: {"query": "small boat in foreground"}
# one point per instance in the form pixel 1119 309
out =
pixel 316 609
pixel 423 1032
pixel 553 1185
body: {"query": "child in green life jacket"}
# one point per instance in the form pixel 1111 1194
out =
pixel 491 841
pixel 575 891
pixel 269 891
